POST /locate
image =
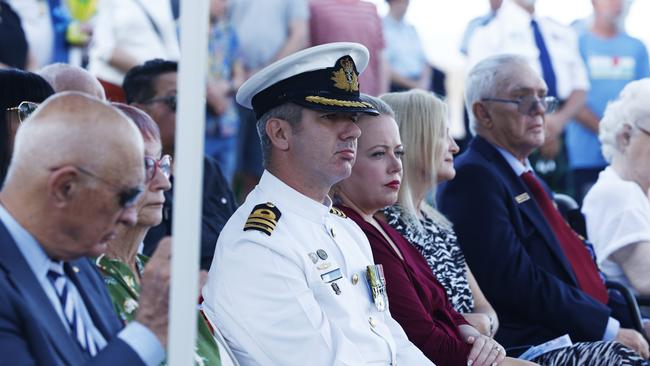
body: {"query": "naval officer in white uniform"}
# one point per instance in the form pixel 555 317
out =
pixel 288 284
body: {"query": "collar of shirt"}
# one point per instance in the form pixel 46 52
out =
pixel 31 250
pixel 287 198
pixel 515 164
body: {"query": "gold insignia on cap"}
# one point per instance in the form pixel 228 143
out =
pixel 345 77
pixel 336 102
pixel 264 218
pixel 338 212
pixel 522 197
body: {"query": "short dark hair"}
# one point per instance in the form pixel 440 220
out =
pixel 138 82
pixel 17 86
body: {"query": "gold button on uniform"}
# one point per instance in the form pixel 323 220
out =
pixel 372 321
pixel 355 279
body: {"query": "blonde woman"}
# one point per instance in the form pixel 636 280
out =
pixel 426 164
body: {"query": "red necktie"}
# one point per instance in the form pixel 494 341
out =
pixel 574 249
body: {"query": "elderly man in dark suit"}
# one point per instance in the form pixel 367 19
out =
pixel 77 169
pixel 533 268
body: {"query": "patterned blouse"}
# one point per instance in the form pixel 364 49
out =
pixel 440 248
pixel 125 291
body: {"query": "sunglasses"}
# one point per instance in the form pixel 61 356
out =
pixel 24 110
pixel 169 101
pixel 126 197
pixel 152 166
pixel 527 105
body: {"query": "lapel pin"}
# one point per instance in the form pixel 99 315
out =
pixel 522 197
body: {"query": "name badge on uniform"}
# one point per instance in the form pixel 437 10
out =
pixel 522 197
pixel 377 282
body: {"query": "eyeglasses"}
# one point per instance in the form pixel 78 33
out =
pixel 152 165
pixel 169 101
pixel 126 197
pixel 24 110
pixel 528 104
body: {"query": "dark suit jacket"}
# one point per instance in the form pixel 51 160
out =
pixel 218 205
pixel 31 332
pixel 514 254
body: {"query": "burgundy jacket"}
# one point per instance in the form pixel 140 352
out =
pixel 416 299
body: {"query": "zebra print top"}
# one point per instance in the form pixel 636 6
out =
pixel 440 248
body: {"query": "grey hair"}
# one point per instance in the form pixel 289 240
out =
pixel 382 107
pixel 485 78
pixel 289 112
pixel 630 107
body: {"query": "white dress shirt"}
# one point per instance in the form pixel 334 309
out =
pixel 123 23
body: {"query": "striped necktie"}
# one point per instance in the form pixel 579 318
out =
pixel 69 304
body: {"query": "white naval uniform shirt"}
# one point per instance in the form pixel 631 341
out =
pixel 510 32
pixel 274 304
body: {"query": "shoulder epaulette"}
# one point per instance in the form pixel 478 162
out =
pixel 338 212
pixel 264 218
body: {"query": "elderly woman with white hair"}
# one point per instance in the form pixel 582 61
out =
pixel 617 209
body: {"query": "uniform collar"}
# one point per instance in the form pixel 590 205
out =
pixel 287 198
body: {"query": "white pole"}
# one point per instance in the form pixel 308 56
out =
pixel 188 182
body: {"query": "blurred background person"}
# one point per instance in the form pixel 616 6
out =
pixel 14 49
pixel 267 31
pixel 616 208
pixel 52 28
pixel 408 65
pixel 20 94
pixel 225 75
pixel 422 120
pixel 478 22
pixel 121 265
pixel 128 33
pixel 612 58
pixel 353 21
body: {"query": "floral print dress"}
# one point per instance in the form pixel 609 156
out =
pixel 125 292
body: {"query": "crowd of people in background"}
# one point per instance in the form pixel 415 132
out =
pixel 341 223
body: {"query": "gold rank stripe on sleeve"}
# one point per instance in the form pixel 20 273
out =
pixel 264 218
pixel 338 212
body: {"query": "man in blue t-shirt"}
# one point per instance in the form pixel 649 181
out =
pixel 613 59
